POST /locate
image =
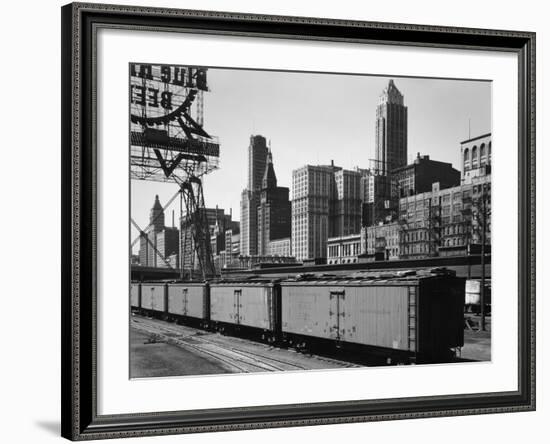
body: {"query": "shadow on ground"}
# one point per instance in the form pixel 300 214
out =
pixel 53 427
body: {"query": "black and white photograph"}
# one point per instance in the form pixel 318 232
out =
pixel 293 221
pixel 275 222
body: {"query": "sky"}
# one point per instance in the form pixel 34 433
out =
pixel 313 118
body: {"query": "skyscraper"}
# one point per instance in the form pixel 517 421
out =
pixel 313 195
pixel 347 204
pixel 273 212
pixel 250 197
pixel 156 216
pixel 391 130
pixel 377 198
pixel 257 155
pixel 326 203
pixel 158 242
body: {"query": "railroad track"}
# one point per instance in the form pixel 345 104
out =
pixel 235 358
pixel 232 365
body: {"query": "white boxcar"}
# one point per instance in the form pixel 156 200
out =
pixel 252 304
pixel 153 297
pixel 412 314
pixel 188 299
pixel 473 287
pixel 134 294
pixel 473 292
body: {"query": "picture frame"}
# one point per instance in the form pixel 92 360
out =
pixel 80 176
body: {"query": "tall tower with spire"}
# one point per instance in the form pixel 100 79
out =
pixel 159 245
pixel 391 130
pixel 269 180
pixel 274 210
pixel 156 216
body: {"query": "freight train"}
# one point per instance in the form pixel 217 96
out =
pixel 405 317
pixel 473 296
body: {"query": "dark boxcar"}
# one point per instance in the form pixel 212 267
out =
pixel 420 316
pixel 250 304
pixel 189 300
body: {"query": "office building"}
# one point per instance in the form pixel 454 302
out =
pixel 381 240
pixel 313 195
pixel 377 199
pixel 274 210
pixel 452 219
pixel 280 247
pixel 391 130
pixel 476 157
pixel 344 249
pixel 250 196
pixel 248 202
pixel 347 203
pixel 158 245
pixel 229 258
pixel 217 222
pixel 326 203
pixel 419 176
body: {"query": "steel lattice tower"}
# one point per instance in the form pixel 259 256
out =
pixel 169 144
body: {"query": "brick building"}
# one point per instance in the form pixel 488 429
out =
pixel 418 176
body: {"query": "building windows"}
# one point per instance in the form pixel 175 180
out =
pixel 482 155
pixel 466 158
pixel 474 157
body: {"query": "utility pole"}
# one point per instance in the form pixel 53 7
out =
pixel 480 217
pixel 467 228
pixel 430 228
pixel 483 228
pixel 181 239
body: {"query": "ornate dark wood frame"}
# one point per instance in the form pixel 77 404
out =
pixel 80 22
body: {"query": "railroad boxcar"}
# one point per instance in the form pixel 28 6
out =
pixel 473 296
pixel 135 295
pixel 154 299
pixel 189 301
pixel 253 305
pixel 416 317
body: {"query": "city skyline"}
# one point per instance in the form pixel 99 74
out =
pixel 308 132
pixel 372 257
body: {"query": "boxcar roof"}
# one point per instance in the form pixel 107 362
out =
pixel 241 282
pixel 379 277
pixel 403 277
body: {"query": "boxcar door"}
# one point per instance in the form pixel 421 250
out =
pixel 184 296
pixel 342 315
pixel 334 313
pixel 153 299
pixel 237 305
